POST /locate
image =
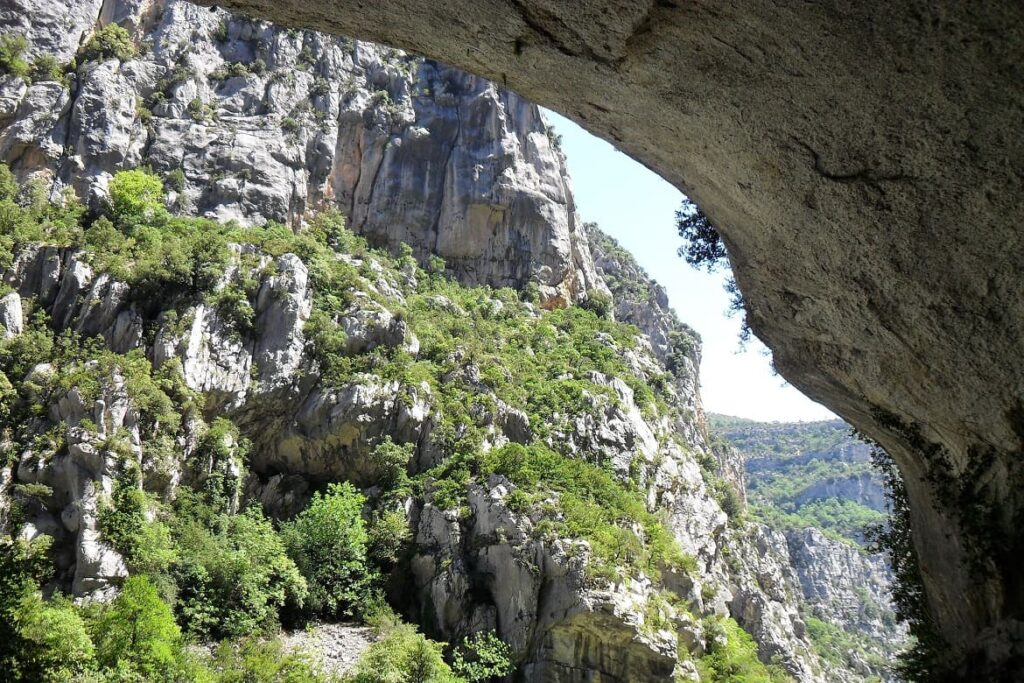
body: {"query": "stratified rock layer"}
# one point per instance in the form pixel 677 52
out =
pixel 864 165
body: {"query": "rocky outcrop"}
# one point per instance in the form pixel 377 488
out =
pixel 844 585
pixel 486 568
pixel 800 130
pixel 255 123
pixel 77 478
pixel 861 488
pixel 641 301
pixel 792 468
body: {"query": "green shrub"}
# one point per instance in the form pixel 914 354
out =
pixel 23 567
pixel 8 184
pixel 328 543
pixel 136 196
pixel 388 536
pixel 54 645
pixel 232 302
pixel 176 180
pixel 233 574
pixel 222 452
pixel 260 661
pixel 482 657
pixel 121 523
pixel 12 59
pixel 110 42
pixel 47 68
pixel 388 463
pixel 736 660
pixel 137 632
pixel 592 505
pixel 146 545
pixel 599 303
pixel 402 655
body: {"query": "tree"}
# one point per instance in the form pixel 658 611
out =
pixel 599 302
pixel 8 184
pixel 54 643
pixel 233 573
pixel 136 196
pixel 328 543
pixel 703 245
pixel 403 655
pixel 704 248
pixel 137 631
pixel 23 567
pixel 482 657
pixel 12 60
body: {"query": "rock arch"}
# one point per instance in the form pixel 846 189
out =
pixel 865 164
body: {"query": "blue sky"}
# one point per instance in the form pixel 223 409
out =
pixel 638 208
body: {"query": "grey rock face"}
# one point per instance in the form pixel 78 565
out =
pixel 485 570
pixel 915 347
pixel 268 124
pixel 641 301
pixel 11 317
pixel 843 585
pixel 860 488
pixel 411 152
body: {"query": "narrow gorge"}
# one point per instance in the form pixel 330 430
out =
pixel 300 330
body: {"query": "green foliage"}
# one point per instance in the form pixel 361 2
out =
pixel 735 660
pixel 225 574
pixel 12 55
pixel 402 655
pixel 599 303
pixel 786 460
pixel 260 661
pixel 46 68
pixel 835 645
pixel 54 645
pixel 388 536
pixel 8 183
pixel 921 662
pixel 482 657
pixel 843 520
pixel 200 111
pixel 703 245
pixel 328 542
pixel 110 42
pixel 233 574
pixel 388 462
pixel 121 523
pixel 176 180
pixel 146 545
pixel 222 451
pixel 136 196
pixel 220 33
pixel 593 505
pixel 137 632
pixel 23 567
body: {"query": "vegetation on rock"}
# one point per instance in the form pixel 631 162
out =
pixel 205 566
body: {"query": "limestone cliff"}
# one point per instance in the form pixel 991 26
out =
pixel 251 122
pixel 841 150
pixel 814 482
